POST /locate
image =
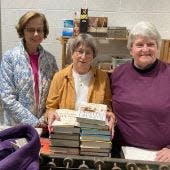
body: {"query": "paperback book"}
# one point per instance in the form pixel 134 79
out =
pixel 65 150
pixel 65 143
pixel 95 149
pixel 95 137
pixel 68 136
pixel 92 143
pixel 92 131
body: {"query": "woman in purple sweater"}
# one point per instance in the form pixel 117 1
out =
pixel 141 94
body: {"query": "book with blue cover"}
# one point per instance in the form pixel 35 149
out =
pixel 95 137
pixel 94 131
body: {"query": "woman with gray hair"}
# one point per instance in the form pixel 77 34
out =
pixel 80 81
pixel 140 94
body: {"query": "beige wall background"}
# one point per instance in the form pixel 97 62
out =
pixel 119 13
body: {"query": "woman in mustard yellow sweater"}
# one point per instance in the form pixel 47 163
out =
pixel 80 81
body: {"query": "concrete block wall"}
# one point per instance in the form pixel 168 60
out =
pixel 119 13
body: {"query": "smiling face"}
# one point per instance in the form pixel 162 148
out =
pixel 33 34
pixel 144 51
pixel 82 59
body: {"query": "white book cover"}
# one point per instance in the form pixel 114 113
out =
pixel 92 111
pixel 67 118
pixel 134 153
pixel 89 111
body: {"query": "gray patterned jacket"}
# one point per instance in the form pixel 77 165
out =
pixel 17 86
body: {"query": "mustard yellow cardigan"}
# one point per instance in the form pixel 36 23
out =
pixel 62 90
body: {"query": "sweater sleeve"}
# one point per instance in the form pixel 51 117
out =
pixel 108 96
pixel 52 102
pixel 9 93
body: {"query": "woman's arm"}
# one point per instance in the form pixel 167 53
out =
pixel 9 93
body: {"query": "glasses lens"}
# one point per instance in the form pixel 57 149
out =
pixel 33 30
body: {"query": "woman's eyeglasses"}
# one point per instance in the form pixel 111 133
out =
pixel 80 52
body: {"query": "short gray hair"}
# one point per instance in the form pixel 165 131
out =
pixel 146 29
pixel 84 39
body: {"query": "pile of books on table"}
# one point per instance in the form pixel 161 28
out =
pixel 82 132
pixel 95 138
pixel 66 136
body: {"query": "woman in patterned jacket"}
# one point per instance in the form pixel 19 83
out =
pixel 26 72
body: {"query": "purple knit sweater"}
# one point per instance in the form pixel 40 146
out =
pixel 24 158
pixel 141 102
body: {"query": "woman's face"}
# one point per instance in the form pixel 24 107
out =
pixel 144 51
pixel 34 33
pixel 82 59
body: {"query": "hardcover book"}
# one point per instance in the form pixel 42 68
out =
pixel 67 118
pixel 92 113
pixel 65 143
pixel 95 137
pixel 68 129
pixel 100 144
pixel 93 126
pixel 65 150
pixel 68 136
pixel 88 131
pixel 95 149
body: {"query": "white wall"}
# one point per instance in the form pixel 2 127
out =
pixel 119 13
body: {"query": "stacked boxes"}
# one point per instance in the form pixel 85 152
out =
pixel 117 32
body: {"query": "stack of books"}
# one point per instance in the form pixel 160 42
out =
pixel 95 138
pixel 66 136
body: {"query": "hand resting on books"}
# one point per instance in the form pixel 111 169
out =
pixel 51 117
pixel 56 116
pixel 111 122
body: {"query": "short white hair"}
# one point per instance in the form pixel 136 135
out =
pixel 145 29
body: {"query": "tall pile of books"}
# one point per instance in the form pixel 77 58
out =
pixel 66 136
pixel 95 138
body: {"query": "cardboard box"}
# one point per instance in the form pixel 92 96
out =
pixel 97 26
pixel 117 32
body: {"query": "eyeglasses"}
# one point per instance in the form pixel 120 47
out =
pixel 33 30
pixel 80 52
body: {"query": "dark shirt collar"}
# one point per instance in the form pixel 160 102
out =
pixel 152 66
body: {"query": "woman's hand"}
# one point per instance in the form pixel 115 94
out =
pixel 51 117
pixel 111 122
pixel 163 155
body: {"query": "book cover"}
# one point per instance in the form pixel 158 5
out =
pixel 93 126
pixel 98 109
pixel 90 121
pixel 92 113
pixel 95 149
pixel 91 143
pixel 71 136
pixel 95 137
pixel 65 143
pixel 68 129
pixel 65 150
pixel 90 131
pixel 67 118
